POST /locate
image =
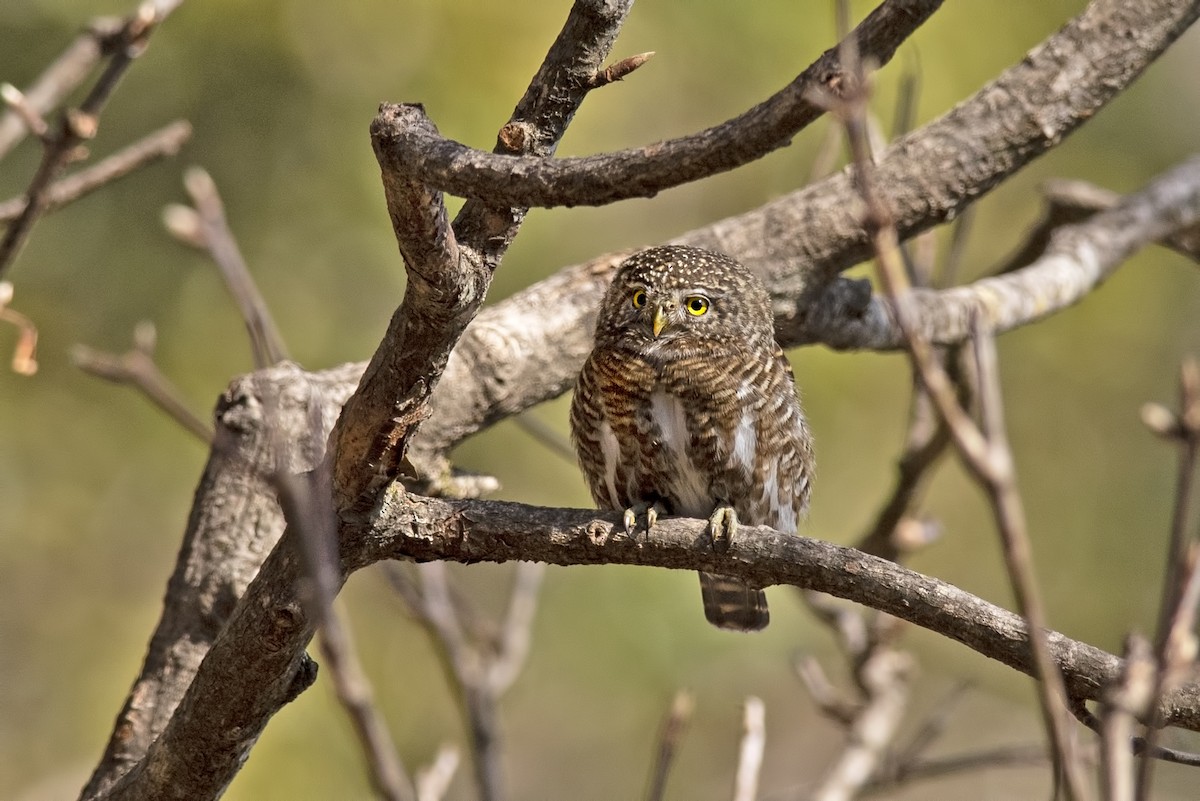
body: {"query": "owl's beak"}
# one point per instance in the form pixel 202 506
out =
pixel 660 320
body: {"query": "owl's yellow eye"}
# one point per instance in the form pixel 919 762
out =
pixel 697 305
pixel 639 298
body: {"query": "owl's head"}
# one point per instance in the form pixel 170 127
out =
pixel 675 299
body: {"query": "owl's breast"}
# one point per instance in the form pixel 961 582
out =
pixel 670 435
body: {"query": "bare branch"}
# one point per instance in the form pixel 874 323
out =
pixel 79 125
pixel 20 105
pixel 24 358
pixel 674 726
pixel 529 348
pixel 163 143
pixel 1125 702
pixel 830 701
pixel 136 367
pixel 207 228
pixel 985 452
pixel 643 172
pixel 750 754
pixel 434 780
pixel 64 75
pixel 354 692
pixel 517 631
pixel 887 675
pixel 938 767
pixel 1071 201
pixel 446 284
pixel 410 526
pixel 1078 260
pixel 235 520
pixel 1175 642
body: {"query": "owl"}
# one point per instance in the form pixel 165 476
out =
pixel 687 406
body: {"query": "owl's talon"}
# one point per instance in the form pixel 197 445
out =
pixel 722 527
pixel 650 510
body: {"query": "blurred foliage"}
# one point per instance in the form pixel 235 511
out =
pixel 95 486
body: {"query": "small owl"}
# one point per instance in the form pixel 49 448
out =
pixel 687 406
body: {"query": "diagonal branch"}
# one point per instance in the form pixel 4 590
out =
pixel 63 76
pixel 205 227
pixel 447 283
pixel 1078 259
pixel 165 142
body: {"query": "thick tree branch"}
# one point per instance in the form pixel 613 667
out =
pixel 409 526
pixel 447 284
pixel 444 292
pixel 1078 259
pixel 528 348
pixel 234 523
pixel 646 171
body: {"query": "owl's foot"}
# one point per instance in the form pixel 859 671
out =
pixel 650 510
pixel 722 526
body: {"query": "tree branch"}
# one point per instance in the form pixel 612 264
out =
pixel 1078 259
pixel 62 77
pixel 529 348
pixel 79 125
pixel 137 368
pixel 206 228
pixel 165 142
pixel 646 171
pixel 447 284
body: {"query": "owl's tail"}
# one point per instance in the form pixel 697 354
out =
pixel 730 603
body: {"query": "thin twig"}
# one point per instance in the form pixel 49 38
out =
pixel 1124 703
pixel 434 780
pixel 164 142
pixel 1069 201
pixel 674 726
pixel 547 436
pixel 985 452
pixel 750 753
pixel 136 367
pixel 207 228
pixel 465 664
pixel 1177 606
pixel 940 767
pixel 79 125
pixel 887 677
pixel 64 75
pixel 831 701
pixel 20 105
pixel 307 506
pixel 24 358
pixel 517 631
pixel 930 729
pixel 354 692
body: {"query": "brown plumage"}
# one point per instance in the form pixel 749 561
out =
pixel 687 406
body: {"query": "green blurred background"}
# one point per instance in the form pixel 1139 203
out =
pixel 95 486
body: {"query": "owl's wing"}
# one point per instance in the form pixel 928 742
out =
pixel 587 418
